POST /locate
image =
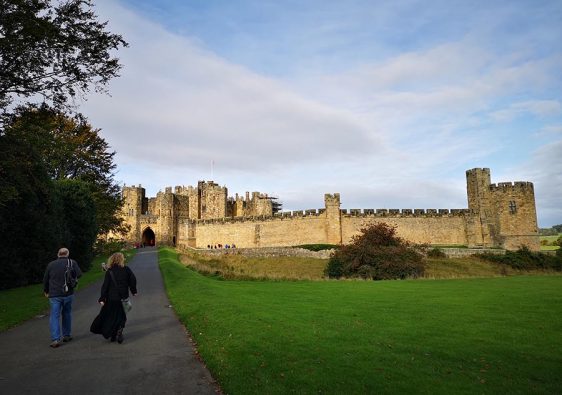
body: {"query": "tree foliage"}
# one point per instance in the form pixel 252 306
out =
pixel 70 148
pixel 78 220
pixel 28 213
pixel 57 190
pixel 378 254
pixel 53 51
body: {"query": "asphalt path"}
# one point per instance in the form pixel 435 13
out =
pixel 156 356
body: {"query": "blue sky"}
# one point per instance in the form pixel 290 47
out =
pixel 387 103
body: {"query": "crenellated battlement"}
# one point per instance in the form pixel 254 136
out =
pixel 405 212
pixel 522 186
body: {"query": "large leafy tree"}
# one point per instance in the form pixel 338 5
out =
pixel 71 149
pixel 78 215
pixel 53 51
pixel 29 226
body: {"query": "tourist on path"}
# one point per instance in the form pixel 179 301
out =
pixel 58 285
pixel 119 279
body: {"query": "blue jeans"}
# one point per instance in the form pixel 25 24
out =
pixel 60 305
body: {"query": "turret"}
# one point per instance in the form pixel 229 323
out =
pixel 333 218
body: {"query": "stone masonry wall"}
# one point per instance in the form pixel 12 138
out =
pixel 444 229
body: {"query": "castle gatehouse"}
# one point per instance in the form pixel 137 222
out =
pixel 499 215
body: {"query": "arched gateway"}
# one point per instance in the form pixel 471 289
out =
pixel 148 237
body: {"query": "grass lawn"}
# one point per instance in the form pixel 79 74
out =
pixel 239 267
pixel 550 240
pixel 20 304
pixel 492 335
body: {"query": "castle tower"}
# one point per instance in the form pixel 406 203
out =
pixel 166 217
pixel 133 206
pixel 260 204
pixel 333 218
pixel 211 200
pixel 504 215
pixel 480 230
pixel 516 215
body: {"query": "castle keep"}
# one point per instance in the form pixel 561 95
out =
pixel 498 215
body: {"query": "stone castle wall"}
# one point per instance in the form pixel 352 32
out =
pixel 498 215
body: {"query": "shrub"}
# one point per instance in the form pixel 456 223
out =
pixel 378 254
pixel 108 247
pixel 318 247
pixel 436 253
pixel 334 268
pixel 525 259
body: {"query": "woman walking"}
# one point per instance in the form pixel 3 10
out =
pixel 119 279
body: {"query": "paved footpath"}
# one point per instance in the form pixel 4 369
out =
pixel 156 356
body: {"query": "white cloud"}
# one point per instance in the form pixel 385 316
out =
pixel 180 105
pixel 541 108
pixel 545 170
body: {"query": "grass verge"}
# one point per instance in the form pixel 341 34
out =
pixel 494 335
pixel 241 267
pixel 20 304
pixel 293 268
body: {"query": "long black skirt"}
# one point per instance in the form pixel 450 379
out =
pixel 111 318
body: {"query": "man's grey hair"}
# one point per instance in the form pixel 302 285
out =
pixel 63 252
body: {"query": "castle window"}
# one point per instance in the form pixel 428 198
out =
pixel 512 207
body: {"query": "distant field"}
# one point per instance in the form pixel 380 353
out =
pixel 291 268
pixel 550 240
pixel 498 335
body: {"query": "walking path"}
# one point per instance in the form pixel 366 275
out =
pixel 156 356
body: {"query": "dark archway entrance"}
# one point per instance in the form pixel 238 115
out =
pixel 148 237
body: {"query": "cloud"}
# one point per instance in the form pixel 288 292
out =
pixel 541 108
pixel 180 105
pixel 545 170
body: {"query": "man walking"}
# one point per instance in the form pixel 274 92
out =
pixel 58 285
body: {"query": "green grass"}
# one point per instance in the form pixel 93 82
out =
pixel 241 267
pixel 550 239
pixel 494 335
pixel 292 268
pixel 20 304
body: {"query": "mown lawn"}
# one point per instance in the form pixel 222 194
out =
pixel 494 335
pixel 20 304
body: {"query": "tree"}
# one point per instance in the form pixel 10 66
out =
pixel 378 254
pixel 29 227
pixel 70 148
pixel 53 51
pixel 78 220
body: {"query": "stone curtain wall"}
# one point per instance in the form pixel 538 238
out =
pixel 445 229
pixel 251 233
pixel 297 229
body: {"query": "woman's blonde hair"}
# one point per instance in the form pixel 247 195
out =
pixel 117 259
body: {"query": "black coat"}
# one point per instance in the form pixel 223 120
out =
pixel 125 279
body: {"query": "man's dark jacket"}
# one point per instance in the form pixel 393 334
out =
pixel 53 280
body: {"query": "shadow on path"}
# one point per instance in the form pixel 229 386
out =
pixel 156 356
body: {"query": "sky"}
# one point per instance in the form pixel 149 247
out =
pixel 386 102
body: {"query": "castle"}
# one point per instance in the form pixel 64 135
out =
pixel 499 215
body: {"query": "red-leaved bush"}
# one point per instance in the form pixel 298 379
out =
pixel 378 254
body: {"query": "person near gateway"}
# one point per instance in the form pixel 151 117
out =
pixel 60 276
pixel 119 279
